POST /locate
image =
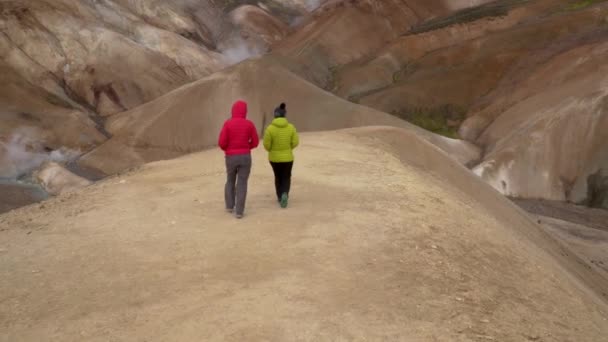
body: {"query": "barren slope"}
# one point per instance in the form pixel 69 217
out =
pixel 379 243
pixel 189 118
pixel 524 80
pixel 340 32
pixel 66 65
pixel 550 133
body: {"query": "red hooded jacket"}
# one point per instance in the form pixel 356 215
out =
pixel 239 135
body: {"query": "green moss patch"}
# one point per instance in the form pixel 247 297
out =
pixel 444 120
pixel 577 5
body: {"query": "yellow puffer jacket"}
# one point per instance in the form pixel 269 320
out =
pixel 280 139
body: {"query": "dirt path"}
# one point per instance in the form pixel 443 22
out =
pixel 370 249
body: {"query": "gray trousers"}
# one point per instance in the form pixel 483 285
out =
pixel 237 170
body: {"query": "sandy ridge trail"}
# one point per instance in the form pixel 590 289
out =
pixel 378 244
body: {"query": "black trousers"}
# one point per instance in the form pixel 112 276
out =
pixel 282 177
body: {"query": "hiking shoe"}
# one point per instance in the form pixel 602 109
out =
pixel 284 199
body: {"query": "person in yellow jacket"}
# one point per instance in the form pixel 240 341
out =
pixel 280 139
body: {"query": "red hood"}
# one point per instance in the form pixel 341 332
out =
pixel 239 109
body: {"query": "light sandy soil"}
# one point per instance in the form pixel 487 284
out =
pixel 377 244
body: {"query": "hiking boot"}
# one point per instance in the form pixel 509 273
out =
pixel 284 200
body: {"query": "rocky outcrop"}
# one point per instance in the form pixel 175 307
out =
pixel 528 75
pixel 597 189
pixel 340 32
pixel 255 21
pixel 351 31
pixel 550 133
pixel 100 55
pixel 393 65
pixel 55 179
pixel 68 65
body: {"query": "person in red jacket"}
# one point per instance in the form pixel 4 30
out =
pixel 237 138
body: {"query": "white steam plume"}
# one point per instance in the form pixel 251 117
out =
pixel 238 50
pixel 312 5
pixel 21 153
